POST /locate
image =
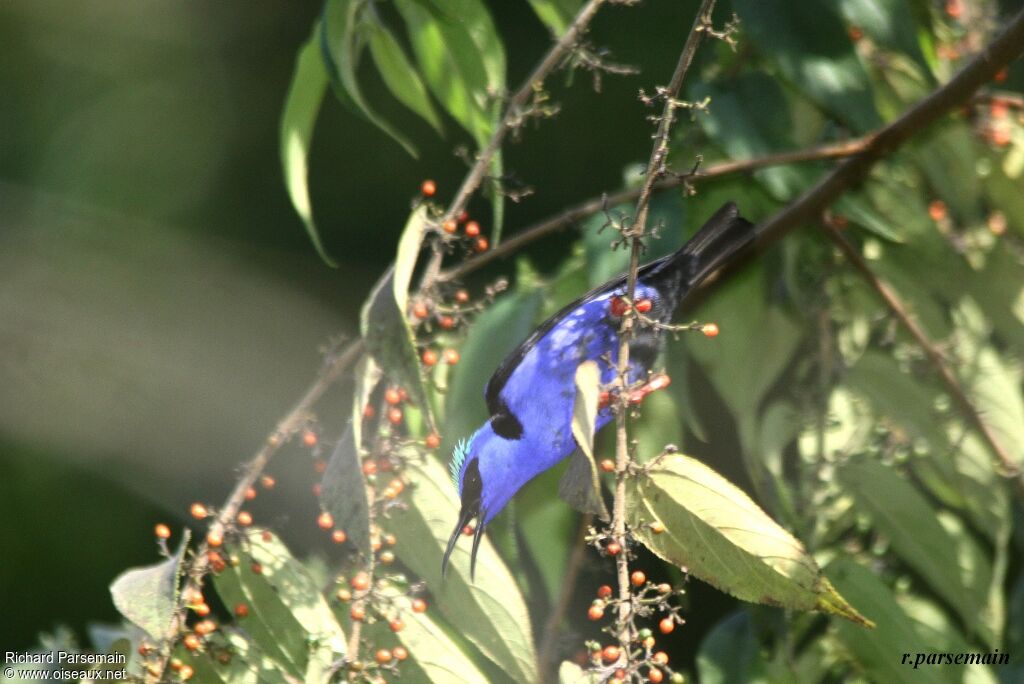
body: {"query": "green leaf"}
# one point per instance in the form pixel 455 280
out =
pixel 571 673
pixel 288 619
pixel 731 652
pixel 491 612
pixel 383 322
pixel 809 44
pixel 879 652
pixel 888 23
pixel 722 537
pixel 438 656
pixel 951 564
pixel 556 14
pixel 148 596
pixel 342 39
pixel 247 664
pixel 301 106
pixel 343 492
pixel 399 74
pixel 581 485
pixel 548 528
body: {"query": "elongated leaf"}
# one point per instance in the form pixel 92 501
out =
pixel 556 14
pixel 491 612
pixel 341 43
pixel 722 537
pixel 952 568
pixel 888 22
pixel 148 597
pixel 436 654
pixel 343 492
pixel 399 74
pixel 809 43
pixel 880 652
pixel 301 106
pixel 288 619
pixel 581 486
pixel 247 664
pixel 731 652
pixel 383 322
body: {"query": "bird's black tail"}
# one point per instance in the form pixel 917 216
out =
pixel 722 236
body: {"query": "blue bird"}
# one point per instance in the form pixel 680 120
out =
pixel 530 397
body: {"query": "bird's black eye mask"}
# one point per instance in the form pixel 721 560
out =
pixel 472 493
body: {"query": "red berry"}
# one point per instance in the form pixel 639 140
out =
pixel 610 654
pixel 451 356
pixel 428 188
pixel 954 8
pixel 198 511
pixel 468 530
pixel 419 605
pixel 644 305
pixel 399 653
pixel 620 675
pixel 463 216
pixel 162 531
pixel 360 582
pixel 638 578
pixel 604 591
pixel 394 415
pixel 339 536
pixel 472 229
pixel 446 322
pixel 316 489
pixel 242 610
pixel 267 537
pixel 1001 75
pixel 449 226
pixel 481 244
pixel 391 396
pixel 369 411
pixel 709 330
pixel 613 548
pixel 256 568
pixel 419 310
pixel 429 357
pixel 432 441
pixel 369 467
pixel 250 493
pixel 396 625
pixel 937 210
pixel 382 656
pixel 666 625
pixel 268 482
pixel 607 465
pixel 325 521
pixel 618 306
pixel 309 438
pixel 216 560
pixel 244 518
pixel 855 33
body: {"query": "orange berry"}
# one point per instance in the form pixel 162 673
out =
pixel 268 482
pixel 449 226
pixel 191 642
pixel 1001 75
pixel 613 548
pixel 661 658
pixel 432 441
pixel 360 581
pixel 399 653
pixel 185 672
pixel 257 568
pixel 468 530
pixel 604 591
pixel 655 675
pixel 175 665
pixel 657 527
pixel 387 558
pixel 709 330
pixel 461 296
pixel 390 539
pixel 451 356
pixel 402 394
pixel 344 595
pixel 202 609
pixel 644 305
pixel 396 625
pixel 610 654
pixel 419 310
pixel 369 467
pixel 162 531
pixel 369 411
pixel 855 33
pixel 204 627
pixel 1001 137
pixel 428 188
pixel 250 493
pixel 339 536
pixel 472 229
pixel 419 605
pixel 309 438
pixel 954 8
pixel 214 539
pixel 357 613
pixel 620 675
pixel 607 465
pixel 267 536
pixel 325 521
pixel 446 322
pixel 319 466
pixel 937 210
pixel 382 656
pixel 244 518
pixel 999 109
pixel 595 612
pixel 664 588
pixel 394 415
pixel 391 396
pixel 242 610
pixel 666 625
pixel 198 511
pixel 216 561
pixel 429 357
pixel 638 578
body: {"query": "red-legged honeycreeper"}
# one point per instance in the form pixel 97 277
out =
pixel 530 397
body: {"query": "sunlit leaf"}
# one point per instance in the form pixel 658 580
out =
pixel 399 74
pixel 571 673
pixel 247 664
pixel 343 492
pixel 490 612
pixel 301 106
pixel 556 14
pixel 435 653
pixel 288 619
pixel 722 537
pixel 580 486
pixel 889 23
pixel 148 596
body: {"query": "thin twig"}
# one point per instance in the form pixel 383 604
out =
pixel 594 205
pixel 656 168
pixel 572 571
pixel 286 428
pixel 513 111
pixel 1007 464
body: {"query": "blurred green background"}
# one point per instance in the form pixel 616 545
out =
pixel 160 304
